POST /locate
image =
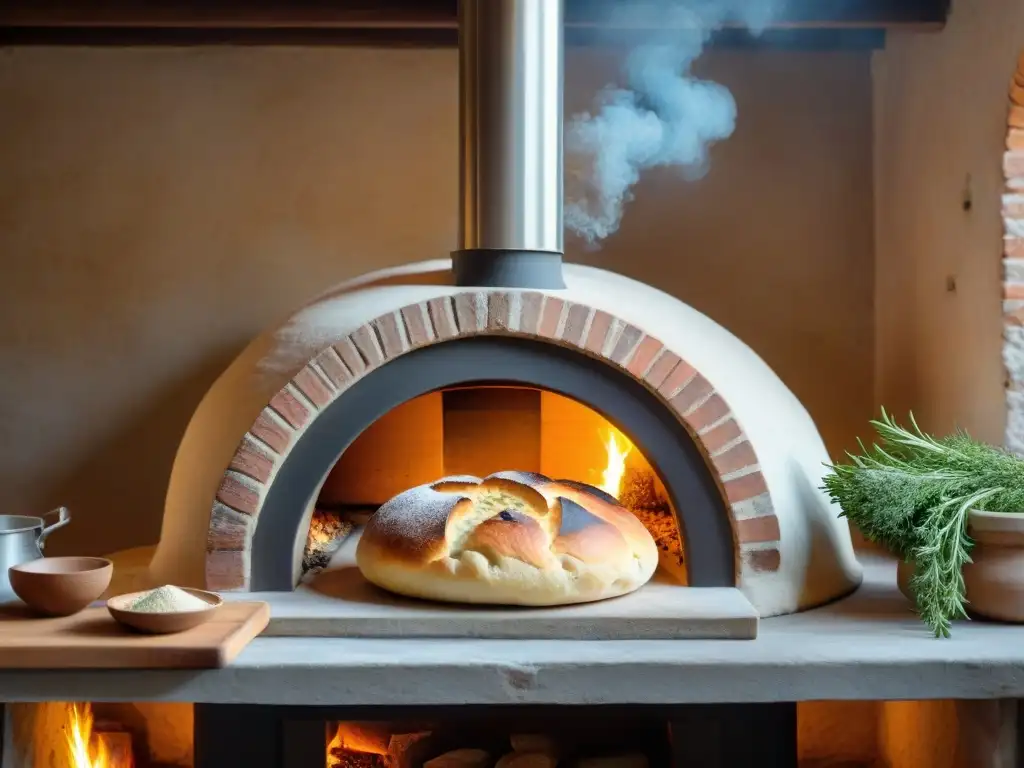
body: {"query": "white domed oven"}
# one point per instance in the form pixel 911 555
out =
pixel 502 358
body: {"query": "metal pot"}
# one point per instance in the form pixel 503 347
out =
pixel 23 539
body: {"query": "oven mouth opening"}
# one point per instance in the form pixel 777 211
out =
pixel 627 405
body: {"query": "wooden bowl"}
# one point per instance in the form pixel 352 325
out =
pixel 60 586
pixel 163 623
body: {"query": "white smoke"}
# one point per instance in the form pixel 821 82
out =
pixel 661 116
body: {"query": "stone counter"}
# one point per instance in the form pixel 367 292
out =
pixel 868 646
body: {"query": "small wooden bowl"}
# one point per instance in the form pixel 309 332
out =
pixel 60 586
pixel 163 623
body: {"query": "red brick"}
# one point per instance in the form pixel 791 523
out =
pixel 552 312
pixel 1013 247
pixel 529 317
pixel 714 409
pixel 269 431
pixel 290 409
pixel 389 335
pixel 349 355
pixel 227 571
pixel 468 312
pixel 312 386
pixel 745 487
pixel 334 368
pixel 575 324
pixel 757 529
pixel 662 367
pixel 1013 207
pixel 681 378
pixel 1017 91
pixel 1013 313
pixel 1015 139
pixel 697 390
pixel 499 311
pixel 627 343
pixel 234 494
pixel 598 332
pixel 717 438
pixel 1013 164
pixel 251 462
pixel 1016 116
pixel 228 530
pixel 740 456
pixel 365 340
pixel 646 351
pixel 762 560
pixel 1013 290
pixel 441 315
pixel 416 326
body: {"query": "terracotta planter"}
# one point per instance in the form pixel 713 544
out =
pixel 995 580
pixel 904 571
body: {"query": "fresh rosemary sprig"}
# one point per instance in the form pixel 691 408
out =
pixel 912 493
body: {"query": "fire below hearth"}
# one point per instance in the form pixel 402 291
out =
pixel 90 747
pixel 105 735
pixel 493 745
pixel 184 735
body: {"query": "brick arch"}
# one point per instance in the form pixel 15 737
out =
pixel 684 392
pixel 1013 263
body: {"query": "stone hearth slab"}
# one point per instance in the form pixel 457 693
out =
pixel 339 602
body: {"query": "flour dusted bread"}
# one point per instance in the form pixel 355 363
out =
pixel 513 538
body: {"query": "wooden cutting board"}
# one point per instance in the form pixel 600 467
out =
pixel 93 640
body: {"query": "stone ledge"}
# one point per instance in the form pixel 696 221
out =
pixel 339 602
pixel 867 647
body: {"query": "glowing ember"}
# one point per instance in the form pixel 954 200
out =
pixel 617 448
pixel 358 745
pixel 86 749
pixel 327 531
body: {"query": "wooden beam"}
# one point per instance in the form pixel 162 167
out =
pixel 825 39
pixel 410 14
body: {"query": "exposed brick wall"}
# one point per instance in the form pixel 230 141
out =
pixel 685 393
pixel 1013 265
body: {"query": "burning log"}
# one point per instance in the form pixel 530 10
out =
pixel 363 737
pixel 527 760
pixel 350 758
pixel 618 761
pixel 643 496
pixel 327 532
pixel 461 758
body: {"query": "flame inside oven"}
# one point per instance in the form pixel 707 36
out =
pixel 617 449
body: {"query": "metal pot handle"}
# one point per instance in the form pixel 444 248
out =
pixel 63 518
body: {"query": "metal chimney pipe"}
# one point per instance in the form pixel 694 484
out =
pixel 511 71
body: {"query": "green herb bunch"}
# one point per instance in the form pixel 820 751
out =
pixel 911 493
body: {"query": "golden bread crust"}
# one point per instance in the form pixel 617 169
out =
pixel 511 538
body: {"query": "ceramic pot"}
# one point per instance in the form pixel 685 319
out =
pixel 995 580
pixel 904 572
pixel 60 586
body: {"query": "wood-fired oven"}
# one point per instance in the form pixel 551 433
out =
pixel 482 342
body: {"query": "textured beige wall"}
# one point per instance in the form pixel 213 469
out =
pixel 158 207
pixel 941 116
pixel 940 112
